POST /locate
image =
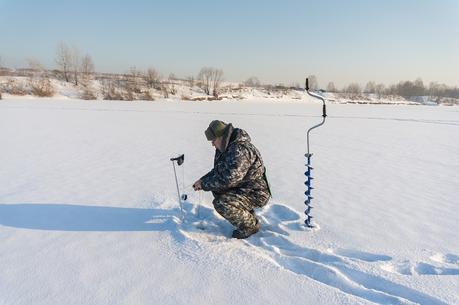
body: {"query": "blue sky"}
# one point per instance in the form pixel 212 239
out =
pixel 277 41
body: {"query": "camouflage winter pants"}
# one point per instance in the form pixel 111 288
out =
pixel 237 209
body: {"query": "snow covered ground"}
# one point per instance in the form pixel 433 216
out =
pixel 89 214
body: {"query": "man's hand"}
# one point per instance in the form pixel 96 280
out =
pixel 197 185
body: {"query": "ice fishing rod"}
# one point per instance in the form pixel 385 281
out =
pixel 180 159
pixel 308 156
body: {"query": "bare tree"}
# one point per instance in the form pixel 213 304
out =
pixel 190 80
pixel 87 69
pixel 110 89
pixel 312 81
pixel 87 73
pixel 217 77
pixel 172 76
pixel 0 83
pixel 64 60
pixel 75 64
pixel 252 81
pixel 210 80
pixel 132 83
pixel 331 87
pixel 409 89
pixel 353 90
pixel 152 78
pixel 138 77
pixel 205 78
pixel 39 81
pixel 380 90
pixel 370 87
pixel 436 89
pixel 419 89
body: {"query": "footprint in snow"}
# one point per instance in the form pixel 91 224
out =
pixel 428 269
pixel 334 270
pixel 446 258
pixel 403 267
pixel 421 268
pixel 361 255
pixel 278 218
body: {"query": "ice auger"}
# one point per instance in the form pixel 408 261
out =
pixel 308 156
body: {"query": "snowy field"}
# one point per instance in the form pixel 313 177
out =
pixel 89 211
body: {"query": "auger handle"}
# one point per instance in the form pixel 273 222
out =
pixel 324 110
pixel 324 107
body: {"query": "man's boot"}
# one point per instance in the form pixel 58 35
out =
pixel 244 233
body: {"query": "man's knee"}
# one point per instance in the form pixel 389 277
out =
pixel 219 206
pixel 232 201
pixel 229 206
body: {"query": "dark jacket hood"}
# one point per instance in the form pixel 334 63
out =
pixel 234 135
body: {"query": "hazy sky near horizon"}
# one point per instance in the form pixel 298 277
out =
pixel 277 41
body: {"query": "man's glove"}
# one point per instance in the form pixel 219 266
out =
pixel 197 185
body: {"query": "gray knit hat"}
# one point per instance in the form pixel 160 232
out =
pixel 216 129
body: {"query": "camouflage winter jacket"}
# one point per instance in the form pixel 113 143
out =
pixel 238 169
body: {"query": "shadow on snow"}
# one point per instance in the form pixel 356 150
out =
pixel 68 217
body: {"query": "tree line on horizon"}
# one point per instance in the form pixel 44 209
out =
pixel 79 70
pixel 405 89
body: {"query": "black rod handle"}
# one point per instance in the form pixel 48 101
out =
pixel 179 159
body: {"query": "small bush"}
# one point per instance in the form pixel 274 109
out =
pixel 114 95
pixel 147 96
pixel 15 87
pixel 110 91
pixel 128 95
pixel 88 94
pixel 165 91
pixel 42 87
